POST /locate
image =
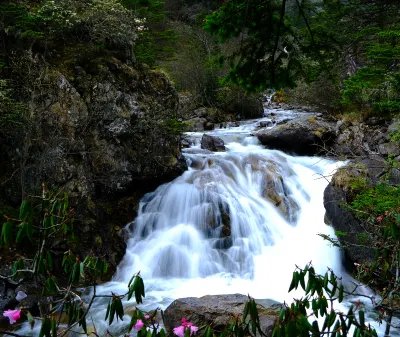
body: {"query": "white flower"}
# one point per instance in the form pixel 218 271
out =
pixel 20 296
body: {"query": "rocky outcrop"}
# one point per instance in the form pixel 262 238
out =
pixel 104 132
pixel 357 138
pixel 212 143
pixel 217 311
pixel 346 183
pixel 303 136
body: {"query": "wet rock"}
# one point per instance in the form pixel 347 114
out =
pixel 234 124
pixel 212 143
pixel 265 124
pixel 275 191
pixel 217 311
pixel 302 136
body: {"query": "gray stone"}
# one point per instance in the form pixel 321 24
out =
pixel 389 148
pixel 197 124
pixel 212 143
pixel 303 136
pixel 394 126
pixel 217 311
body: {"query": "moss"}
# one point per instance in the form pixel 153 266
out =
pixel 351 178
pixel 312 119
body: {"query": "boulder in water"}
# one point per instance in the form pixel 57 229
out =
pixel 217 311
pixel 302 136
pixel 212 143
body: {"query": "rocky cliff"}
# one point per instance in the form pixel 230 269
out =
pixel 105 133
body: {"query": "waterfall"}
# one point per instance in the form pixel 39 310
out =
pixel 235 222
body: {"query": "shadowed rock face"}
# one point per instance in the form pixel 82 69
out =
pixel 302 136
pixel 102 133
pixel 341 191
pixel 217 311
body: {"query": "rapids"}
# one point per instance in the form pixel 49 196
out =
pixel 216 229
pixel 235 222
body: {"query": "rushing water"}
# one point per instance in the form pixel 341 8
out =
pixel 235 222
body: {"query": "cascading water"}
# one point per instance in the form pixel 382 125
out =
pixel 235 222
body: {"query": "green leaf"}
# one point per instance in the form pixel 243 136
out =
pixel 82 319
pixel 82 270
pixel 25 210
pixel 341 291
pixel 395 230
pixel 75 273
pixel 294 282
pixel 21 232
pixel 112 312
pixel 49 260
pixel 362 317
pixel 7 232
pixel 108 310
pixel 301 278
pixel 53 327
pixel 45 330
pixel 119 309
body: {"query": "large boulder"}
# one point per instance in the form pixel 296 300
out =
pixel 212 143
pixel 303 136
pixel 217 311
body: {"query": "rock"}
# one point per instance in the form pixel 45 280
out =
pixel 302 136
pixel 265 124
pixel 212 143
pixel 201 112
pixel 389 148
pixel 347 182
pixel 394 126
pixel 208 126
pixel 217 311
pixel 344 220
pixel 186 143
pixel 196 124
pixel 355 138
pixel 100 136
pixel 234 124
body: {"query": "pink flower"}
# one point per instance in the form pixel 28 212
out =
pixel 139 325
pixel 379 218
pixel 180 330
pixel 13 315
pixel 147 316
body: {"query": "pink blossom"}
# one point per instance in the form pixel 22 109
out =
pixel 147 316
pixel 13 315
pixel 379 218
pixel 180 330
pixel 139 325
